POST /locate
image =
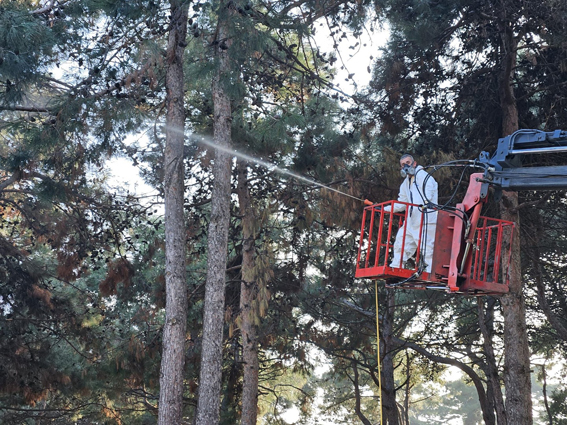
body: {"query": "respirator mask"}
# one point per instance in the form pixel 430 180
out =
pixel 407 170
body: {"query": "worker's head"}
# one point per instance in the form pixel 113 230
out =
pixel 407 165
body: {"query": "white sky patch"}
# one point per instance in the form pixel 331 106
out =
pixel 126 176
pixel 5 308
pixel 356 61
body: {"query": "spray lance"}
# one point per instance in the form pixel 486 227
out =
pixel 211 144
pixel 206 141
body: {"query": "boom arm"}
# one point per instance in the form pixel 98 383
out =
pixel 504 170
pixel 505 166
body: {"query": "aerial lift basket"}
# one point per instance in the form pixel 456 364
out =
pixel 471 256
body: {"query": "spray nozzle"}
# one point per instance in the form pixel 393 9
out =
pixel 367 202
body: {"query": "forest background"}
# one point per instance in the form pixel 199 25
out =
pixel 218 299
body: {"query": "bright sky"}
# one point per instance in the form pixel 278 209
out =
pixel 353 61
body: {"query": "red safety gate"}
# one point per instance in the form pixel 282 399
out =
pixel 477 265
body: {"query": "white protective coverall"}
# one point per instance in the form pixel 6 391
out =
pixel 412 191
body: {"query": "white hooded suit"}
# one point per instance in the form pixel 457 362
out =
pixel 413 191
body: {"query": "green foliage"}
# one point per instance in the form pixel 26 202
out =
pixel 66 348
pixel 81 270
pixel 26 46
pixel 557 406
pixel 439 75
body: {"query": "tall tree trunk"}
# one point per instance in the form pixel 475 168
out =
pixel 248 291
pixel 208 406
pixel 388 384
pixel 407 391
pixel 173 354
pixel 494 390
pixel 516 350
pixel 545 398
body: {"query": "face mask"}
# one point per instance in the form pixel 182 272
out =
pixel 407 170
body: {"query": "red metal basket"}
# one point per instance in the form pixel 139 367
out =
pixel 467 264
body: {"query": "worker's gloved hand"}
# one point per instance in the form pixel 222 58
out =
pixel 398 207
pixel 429 206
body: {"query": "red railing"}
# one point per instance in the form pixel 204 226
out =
pixel 491 256
pixel 380 226
pixel 483 270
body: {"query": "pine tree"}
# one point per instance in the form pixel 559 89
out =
pixel 174 332
pixel 208 407
pixel 58 134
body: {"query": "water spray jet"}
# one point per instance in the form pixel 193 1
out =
pixel 203 140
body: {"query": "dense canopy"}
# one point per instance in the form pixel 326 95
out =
pixel 228 295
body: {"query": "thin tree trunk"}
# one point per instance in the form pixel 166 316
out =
pixel 391 414
pixel 357 396
pixel 248 291
pixel 208 406
pixel 516 349
pixel 544 390
pixel 407 390
pixel 173 353
pixel 492 373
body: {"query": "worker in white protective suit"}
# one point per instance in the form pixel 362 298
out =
pixel 420 188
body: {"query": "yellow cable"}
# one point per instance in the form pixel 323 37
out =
pixel 378 350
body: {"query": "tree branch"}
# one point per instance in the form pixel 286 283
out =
pixel 49 5
pixel 357 408
pixel 24 109
pixel 453 362
pixel 11 180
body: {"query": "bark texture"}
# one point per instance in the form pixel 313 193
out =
pixel 358 396
pixel 208 406
pixel 494 389
pixel 173 353
pixel 248 291
pixel 517 380
pixel 390 410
